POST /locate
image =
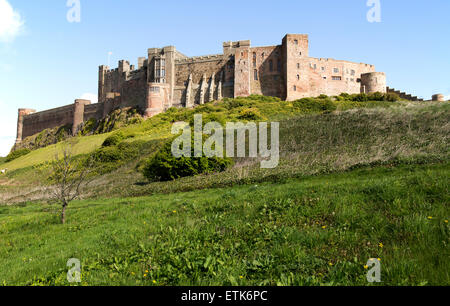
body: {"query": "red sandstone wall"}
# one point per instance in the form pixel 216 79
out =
pixel 37 122
pixel 267 71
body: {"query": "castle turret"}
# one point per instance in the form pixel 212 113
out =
pixel 78 114
pixel 438 97
pixel 373 82
pixel 22 112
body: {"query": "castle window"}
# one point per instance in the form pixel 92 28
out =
pixel 353 72
pixel 336 78
pixel 298 77
pixel 163 72
pixel 324 78
pixel 255 74
pixel 336 70
pixel 271 65
pixel 298 65
pixel 323 68
pixel 254 56
pixel 163 62
pixel 296 42
pixel 300 54
pixel 295 88
pixel 315 66
pixel 279 65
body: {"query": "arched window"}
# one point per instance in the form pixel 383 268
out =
pixel 255 74
pixel 298 77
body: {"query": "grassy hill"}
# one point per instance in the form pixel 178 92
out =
pixel 310 231
pixel 356 180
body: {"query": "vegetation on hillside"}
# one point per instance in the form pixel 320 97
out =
pixel 317 136
pixel 314 231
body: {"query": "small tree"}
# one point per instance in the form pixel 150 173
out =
pixel 70 176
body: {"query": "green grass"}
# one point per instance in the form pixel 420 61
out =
pixel 311 231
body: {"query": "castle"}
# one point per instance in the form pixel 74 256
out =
pixel 167 78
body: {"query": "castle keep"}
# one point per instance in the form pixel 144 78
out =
pixel 167 78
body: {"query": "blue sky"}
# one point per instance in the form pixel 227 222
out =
pixel 46 62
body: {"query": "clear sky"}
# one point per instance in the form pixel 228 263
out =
pixel 46 61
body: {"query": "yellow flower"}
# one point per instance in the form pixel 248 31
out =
pixel 174 211
pixel 241 277
pixel 154 282
pixel 379 259
pixel 366 267
pixel 324 227
pixel 132 273
pixel 330 263
pixel 446 221
pixel 430 217
pixel 145 275
pixel 380 245
pixel 146 271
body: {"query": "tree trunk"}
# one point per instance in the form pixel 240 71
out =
pixel 63 213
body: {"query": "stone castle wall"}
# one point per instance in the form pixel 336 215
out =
pixel 167 78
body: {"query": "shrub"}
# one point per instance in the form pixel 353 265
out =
pixel 165 167
pixel 16 154
pixel 322 96
pixel 391 97
pixel 251 114
pixel 311 105
pixel 376 96
pixel 113 140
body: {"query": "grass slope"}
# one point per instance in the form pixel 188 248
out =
pixel 317 230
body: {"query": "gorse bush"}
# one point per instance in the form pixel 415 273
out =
pixel 113 140
pixel 16 154
pixel 165 167
pixel 315 105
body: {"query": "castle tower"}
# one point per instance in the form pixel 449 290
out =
pixel 438 97
pixel 242 66
pixel 295 52
pixel 22 112
pixel 373 82
pixel 78 114
pixel 102 70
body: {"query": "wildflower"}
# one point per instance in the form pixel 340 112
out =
pixel 324 227
pixel 330 264
pixel 174 211
pixel 446 221
pixel 366 267
pixel 145 275
pixel 379 259
pixel 241 277
pixel 132 273
pixel 146 271
pixel 154 282
pixel 429 218
pixel 380 245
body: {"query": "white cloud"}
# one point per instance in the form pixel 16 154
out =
pixel 11 23
pixel 90 96
pixel 447 98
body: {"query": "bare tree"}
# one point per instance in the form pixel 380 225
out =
pixel 70 176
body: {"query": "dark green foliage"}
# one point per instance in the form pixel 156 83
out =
pixel 313 105
pixel 16 154
pixel 165 167
pixel 113 140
